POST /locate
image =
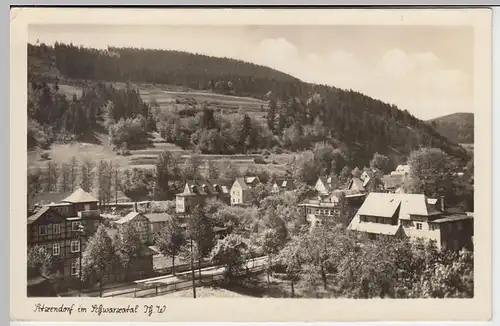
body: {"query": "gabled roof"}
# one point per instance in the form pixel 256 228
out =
pixel 358 183
pixel 80 196
pixel 206 187
pixel 37 214
pixel 385 205
pixel 242 183
pixel 285 182
pixel 127 218
pixel 252 179
pixel 41 211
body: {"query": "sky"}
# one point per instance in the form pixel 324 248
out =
pixel 427 70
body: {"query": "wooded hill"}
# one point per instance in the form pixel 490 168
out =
pixel 458 127
pixel 299 115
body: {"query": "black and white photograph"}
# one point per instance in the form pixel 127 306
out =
pixel 270 161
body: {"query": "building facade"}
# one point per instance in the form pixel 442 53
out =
pixel 139 222
pixel 62 230
pixel 414 216
pixel 196 192
pixel 241 190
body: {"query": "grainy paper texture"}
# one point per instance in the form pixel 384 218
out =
pixel 255 310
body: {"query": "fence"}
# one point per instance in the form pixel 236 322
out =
pixel 156 287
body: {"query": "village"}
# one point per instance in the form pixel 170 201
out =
pixel 373 205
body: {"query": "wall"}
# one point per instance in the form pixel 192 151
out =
pixel 458 234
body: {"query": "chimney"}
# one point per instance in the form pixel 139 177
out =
pixel 442 202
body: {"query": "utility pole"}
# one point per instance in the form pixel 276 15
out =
pixel 116 185
pixel 192 268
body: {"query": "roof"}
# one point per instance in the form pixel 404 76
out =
pixel 370 227
pixel 392 181
pixel 285 182
pixel 158 217
pixel 242 183
pixel 206 187
pixel 251 179
pixel 80 196
pixel 453 218
pixel 357 182
pixel 36 215
pixel 127 218
pixel 385 205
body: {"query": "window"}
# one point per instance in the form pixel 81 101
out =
pixel 56 249
pixel 57 228
pixel 455 244
pixel 450 227
pixel 419 226
pixel 460 226
pixel 75 268
pixel 42 230
pixel 75 226
pixel 87 207
pixel 75 246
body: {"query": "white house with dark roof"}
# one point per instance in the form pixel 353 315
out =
pixel 414 216
pixel 197 191
pixel 324 185
pixel 241 190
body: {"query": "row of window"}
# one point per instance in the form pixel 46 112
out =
pixel 56 247
pixel 319 211
pixel 56 228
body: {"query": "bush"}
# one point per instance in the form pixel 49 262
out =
pixel 38 135
pixel 129 131
pixel 259 160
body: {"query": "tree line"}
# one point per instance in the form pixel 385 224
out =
pixel 299 113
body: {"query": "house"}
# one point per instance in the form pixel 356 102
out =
pixel 282 184
pixel 197 192
pixel 328 206
pixel 393 183
pixel 60 237
pixel 157 222
pixel 403 170
pixel 139 222
pixel 62 229
pixel 241 190
pixel 356 184
pixel 414 216
pixel 315 211
pixel 324 185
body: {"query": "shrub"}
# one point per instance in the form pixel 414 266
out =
pixel 129 131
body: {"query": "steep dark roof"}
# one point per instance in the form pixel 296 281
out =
pixel 242 183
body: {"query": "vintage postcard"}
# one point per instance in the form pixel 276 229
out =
pixel 250 165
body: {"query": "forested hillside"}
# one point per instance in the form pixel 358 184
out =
pixel 458 127
pixel 299 115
